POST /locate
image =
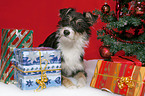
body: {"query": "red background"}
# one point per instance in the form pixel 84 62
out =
pixel 42 17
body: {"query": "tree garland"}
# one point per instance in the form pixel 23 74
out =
pixel 113 33
pixel 121 40
pixel 116 45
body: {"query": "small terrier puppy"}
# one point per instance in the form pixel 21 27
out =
pixel 71 37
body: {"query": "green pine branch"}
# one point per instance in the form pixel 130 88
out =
pixel 125 22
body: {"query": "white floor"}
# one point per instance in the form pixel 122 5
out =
pixel 12 90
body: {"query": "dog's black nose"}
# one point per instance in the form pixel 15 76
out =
pixel 66 32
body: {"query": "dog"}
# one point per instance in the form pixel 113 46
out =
pixel 71 38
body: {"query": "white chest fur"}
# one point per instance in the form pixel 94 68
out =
pixel 71 52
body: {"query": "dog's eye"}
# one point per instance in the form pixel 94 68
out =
pixel 79 24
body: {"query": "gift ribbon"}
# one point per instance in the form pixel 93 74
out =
pixel 127 59
pixel 44 78
pixel 123 81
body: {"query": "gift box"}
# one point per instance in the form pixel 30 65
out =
pixel 37 68
pixel 126 60
pixel 12 38
pixel 124 79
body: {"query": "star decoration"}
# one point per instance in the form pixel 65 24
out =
pixel 47 56
pixel 29 83
pixel 18 34
pixel 32 56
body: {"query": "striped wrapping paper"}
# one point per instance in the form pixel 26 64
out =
pixel 107 75
pixel 12 38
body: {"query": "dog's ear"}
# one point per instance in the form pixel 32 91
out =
pixel 90 17
pixel 65 11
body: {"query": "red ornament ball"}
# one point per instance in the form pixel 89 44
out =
pixel 105 52
pixel 105 8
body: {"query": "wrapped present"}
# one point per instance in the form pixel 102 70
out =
pixel 126 60
pixel 37 68
pixel 124 79
pixel 12 38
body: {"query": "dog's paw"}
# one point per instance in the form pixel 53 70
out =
pixel 68 83
pixel 81 83
pixel 72 87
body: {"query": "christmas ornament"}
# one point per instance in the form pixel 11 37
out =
pixel 139 10
pixel 105 51
pixel 127 24
pixel 105 8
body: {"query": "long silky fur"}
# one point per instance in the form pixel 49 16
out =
pixel 72 45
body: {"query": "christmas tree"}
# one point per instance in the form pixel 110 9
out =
pixel 125 27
